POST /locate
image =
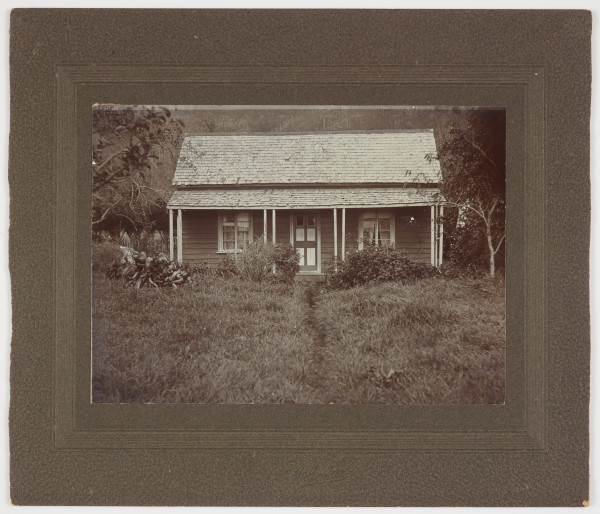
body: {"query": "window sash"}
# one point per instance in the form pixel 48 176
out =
pixel 384 233
pixel 376 228
pixel 235 231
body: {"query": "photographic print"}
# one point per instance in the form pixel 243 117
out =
pixel 258 256
pixel 292 254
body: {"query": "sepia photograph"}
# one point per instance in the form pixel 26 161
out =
pixel 259 256
pixel 298 254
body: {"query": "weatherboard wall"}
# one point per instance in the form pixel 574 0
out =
pixel 200 232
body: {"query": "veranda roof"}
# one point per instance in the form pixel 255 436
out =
pixel 303 198
pixel 318 158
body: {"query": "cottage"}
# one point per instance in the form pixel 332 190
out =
pixel 325 193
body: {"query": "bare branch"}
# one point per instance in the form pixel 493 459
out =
pixel 500 243
pixel 480 150
pixel 103 216
pixel 98 184
pixel 108 159
pixel 480 210
pixel 154 190
pixel 127 217
pixel 492 209
pixel 467 206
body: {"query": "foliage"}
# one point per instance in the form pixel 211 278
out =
pixel 473 164
pixel 378 264
pixel 195 269
pixel 129 147
pixel 286 260
pixel 137 268
pixel 104 254
pixel 226 266
pixel 464 246
pixel 257 260
pixel 453 271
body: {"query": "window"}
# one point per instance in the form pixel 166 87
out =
pixel 376 228
pixel 235 231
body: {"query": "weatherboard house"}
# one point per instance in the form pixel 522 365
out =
pixel 325 193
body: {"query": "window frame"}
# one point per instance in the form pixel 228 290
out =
pixel 379 214
pixel 220 224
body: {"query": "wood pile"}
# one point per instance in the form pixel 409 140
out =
pixel 139 270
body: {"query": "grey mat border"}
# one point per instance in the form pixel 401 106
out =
pixel 532 436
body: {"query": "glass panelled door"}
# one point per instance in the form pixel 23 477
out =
pixel 305 240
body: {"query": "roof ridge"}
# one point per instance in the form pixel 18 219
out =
pixel 310 133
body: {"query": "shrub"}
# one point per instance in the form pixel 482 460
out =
pixel 226 266
pixel 195 269
pixel 104 254
pixel 195 272
pixel 286 261
pixel 378 264
pixel 452 270
pixel 465 248
pixel 257 260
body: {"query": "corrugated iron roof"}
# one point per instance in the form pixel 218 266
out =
pixel 303 198
pixel 308 158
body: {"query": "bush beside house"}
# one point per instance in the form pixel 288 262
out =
pixel 378 264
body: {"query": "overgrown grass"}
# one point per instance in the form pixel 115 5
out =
pixel 229 340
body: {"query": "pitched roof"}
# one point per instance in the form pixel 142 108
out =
pixel 308 158
pixel 306 198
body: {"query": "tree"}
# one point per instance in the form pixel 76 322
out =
pixel 130 148
pixel 473 163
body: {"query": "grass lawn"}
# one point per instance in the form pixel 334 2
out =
pixel 226 340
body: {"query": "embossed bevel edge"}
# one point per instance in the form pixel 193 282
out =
pixel 65 436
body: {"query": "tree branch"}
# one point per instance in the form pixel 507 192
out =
pixel 492 209
pixel 127 217
pixel 113 177
pixel 467 206
pixel 108 159
pixel 103 216
pixel 500 243
pixel 480 150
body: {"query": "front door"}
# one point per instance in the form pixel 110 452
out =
pixel 306 237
